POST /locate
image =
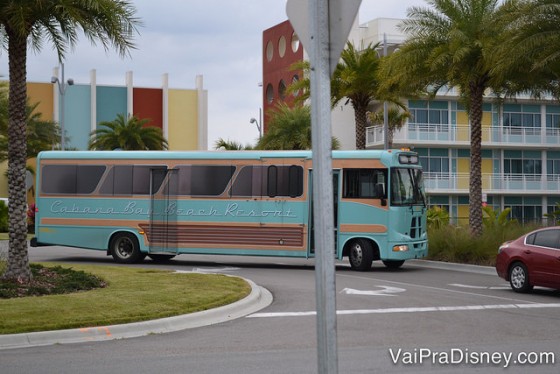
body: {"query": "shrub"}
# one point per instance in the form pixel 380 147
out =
pixel 437 217
pixel 456 244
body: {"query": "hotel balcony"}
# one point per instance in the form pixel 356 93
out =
pixel 459 136
pixel 502 184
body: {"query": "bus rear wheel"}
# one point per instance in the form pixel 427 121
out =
pixel 360 255
pixel 125 249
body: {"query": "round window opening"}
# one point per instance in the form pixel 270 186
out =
pixel 282 46
pixel 295 42
pixel 269 51
pixel 295 79
pixel 282 89
pixel 269 93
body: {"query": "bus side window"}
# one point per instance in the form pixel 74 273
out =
pixel 364 184
pixel 70 179
pixel 295 180
pixel 243 184
pixel 272 181
pixel 130 180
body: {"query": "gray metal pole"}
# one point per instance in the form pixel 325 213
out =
pixel 322 186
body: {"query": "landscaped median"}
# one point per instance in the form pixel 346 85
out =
pixel 131 295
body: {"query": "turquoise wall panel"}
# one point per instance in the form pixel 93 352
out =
pixel 77 116
pixel 110 102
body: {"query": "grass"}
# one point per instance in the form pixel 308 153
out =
pixel 130 295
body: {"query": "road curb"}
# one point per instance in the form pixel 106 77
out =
pixel 258 299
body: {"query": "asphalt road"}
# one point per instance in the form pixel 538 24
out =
pixel 423 317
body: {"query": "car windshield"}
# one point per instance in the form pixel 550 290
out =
pixel 407 187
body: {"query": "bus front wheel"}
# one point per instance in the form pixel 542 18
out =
pixel 125 249
pixel 360 255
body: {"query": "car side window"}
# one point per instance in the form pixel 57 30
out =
pixel 547 238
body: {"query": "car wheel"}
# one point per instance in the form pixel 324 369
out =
pixel 519 278
pixel 360 255
pixel 125 249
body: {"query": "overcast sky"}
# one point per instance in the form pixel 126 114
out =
pixel 220 40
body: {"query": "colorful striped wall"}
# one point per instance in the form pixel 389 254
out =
pixel 182 114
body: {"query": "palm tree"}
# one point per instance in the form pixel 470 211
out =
pixel 127 135
pixel 230 145
pixel 289 128
pixel 396 117
pixel 452 45
pixel 26 23
pixel 356 79
pixel 41 135
pixel 300 88
pixel 531 49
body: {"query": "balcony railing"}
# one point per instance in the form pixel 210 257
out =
pixel 494 183
pixel 460 135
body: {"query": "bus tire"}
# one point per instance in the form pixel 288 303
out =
pixel 156 257
pixel 360 254
pixel 125 249
pixel 392 264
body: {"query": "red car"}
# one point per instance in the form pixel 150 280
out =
pixel 531 260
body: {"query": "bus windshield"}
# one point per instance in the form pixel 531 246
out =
pixel 407 187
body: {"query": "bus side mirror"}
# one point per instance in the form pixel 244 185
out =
pixel 380 192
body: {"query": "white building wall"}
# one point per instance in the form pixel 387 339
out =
pixel 343 126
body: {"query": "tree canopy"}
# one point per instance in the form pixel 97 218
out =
pixel 34 23
pixel 127 134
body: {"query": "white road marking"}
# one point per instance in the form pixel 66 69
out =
pixel 385 291
pixel 479 287
pixel 411 310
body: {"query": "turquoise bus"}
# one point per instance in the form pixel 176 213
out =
pixel 160 204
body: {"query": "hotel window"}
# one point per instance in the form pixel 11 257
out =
pixel 553 117
pixel 435 161
pixel 522 115
pixel 522 163
pixel 428 113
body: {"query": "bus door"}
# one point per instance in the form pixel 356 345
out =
pixel 336 200
pixel 163 234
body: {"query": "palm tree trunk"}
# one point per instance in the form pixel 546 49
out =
pixel 475 185
pixel 360 117
pixel 18 261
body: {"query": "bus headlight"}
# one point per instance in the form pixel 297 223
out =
pixel 400 248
